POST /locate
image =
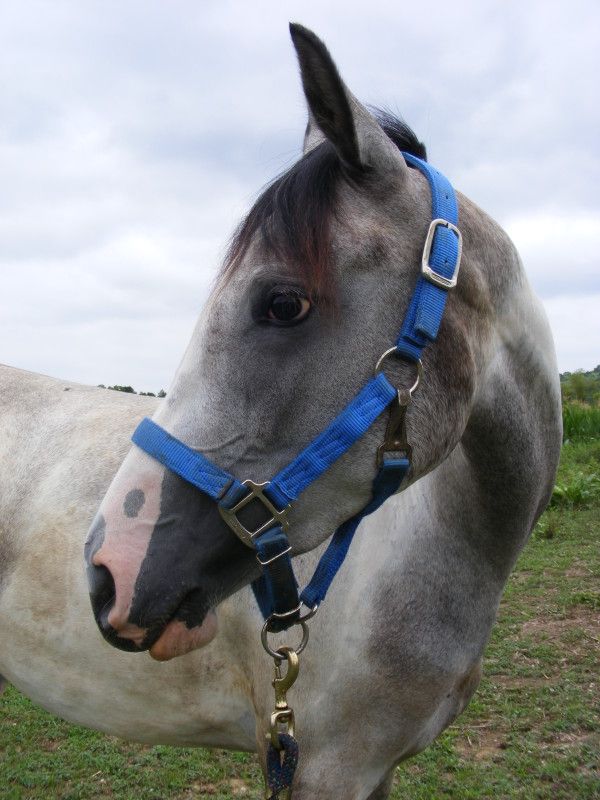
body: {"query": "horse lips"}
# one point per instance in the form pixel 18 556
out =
pixel 177 639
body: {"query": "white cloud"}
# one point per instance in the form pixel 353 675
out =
pixel 576 325
pixel 560 253
pixel 133 135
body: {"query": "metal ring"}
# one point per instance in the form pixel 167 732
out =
pixel 310 613
pixel 395 350
pixel 277 654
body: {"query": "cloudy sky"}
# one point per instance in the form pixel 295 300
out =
pixel 133 135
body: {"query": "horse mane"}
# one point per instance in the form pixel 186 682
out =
pixel 292 216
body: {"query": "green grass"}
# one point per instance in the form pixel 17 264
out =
pixel 580 421
pixel 532 732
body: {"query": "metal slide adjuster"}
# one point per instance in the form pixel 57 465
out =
pixel 426 269
pixel 255 492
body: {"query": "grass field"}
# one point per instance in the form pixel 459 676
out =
pixel 531 732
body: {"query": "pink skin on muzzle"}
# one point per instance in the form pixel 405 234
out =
pixel 126 540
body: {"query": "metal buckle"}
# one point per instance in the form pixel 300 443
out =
pixel 255 491
pixel 430 274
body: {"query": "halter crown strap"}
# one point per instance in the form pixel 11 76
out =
pixel 439 265
pixel 277 591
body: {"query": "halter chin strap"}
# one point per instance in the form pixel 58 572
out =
pixel 276 591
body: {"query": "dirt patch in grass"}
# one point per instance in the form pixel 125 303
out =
pixel 554 628
pixel 482 742
pixel 199 789
pixel 574 739
pixel 578 570
pixel 523 682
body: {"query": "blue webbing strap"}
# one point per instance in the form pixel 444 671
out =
pixel 278 590
pixel 386 483
pixel 190 465
pixel 334 441
pixel 327 447
pixel 426 308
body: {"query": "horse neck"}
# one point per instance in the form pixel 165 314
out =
pixel 499 478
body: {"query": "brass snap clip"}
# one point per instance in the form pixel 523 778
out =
pixel 282 718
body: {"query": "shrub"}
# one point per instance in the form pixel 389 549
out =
pixel 579 490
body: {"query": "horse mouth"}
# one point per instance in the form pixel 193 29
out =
pixel 163 642
pixel 177 639
pixel 190 626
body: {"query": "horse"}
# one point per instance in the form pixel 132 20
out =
pixel 316 282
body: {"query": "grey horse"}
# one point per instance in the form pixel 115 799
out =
pixel 314 288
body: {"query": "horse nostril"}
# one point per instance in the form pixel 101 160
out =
pixel 102 591
pixel 102 594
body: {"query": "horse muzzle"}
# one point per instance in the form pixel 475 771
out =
pixel 155 578
pixel 166 637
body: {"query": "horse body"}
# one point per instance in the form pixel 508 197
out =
pixel 394 654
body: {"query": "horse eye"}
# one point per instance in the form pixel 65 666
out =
pixel 287 308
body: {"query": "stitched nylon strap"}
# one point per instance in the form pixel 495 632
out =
pixel 386 483
pixel 426 308
pixel 278 591
pixel 320 454
pixel 336 439
pixel 190 465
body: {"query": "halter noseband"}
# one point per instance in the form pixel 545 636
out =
pixel 276 590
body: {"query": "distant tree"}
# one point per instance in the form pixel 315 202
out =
pixel 147 394
pixel 162 393
pixel 128 389
pixel 101 386
pixel 581 387
pixel 578 386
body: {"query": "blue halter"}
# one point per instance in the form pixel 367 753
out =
pixel 276 591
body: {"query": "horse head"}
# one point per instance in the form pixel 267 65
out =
pixel 316 283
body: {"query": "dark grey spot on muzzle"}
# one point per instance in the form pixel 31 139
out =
pixel 133 503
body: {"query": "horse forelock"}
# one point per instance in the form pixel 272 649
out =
pixel 292 217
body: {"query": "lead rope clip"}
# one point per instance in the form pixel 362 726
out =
pixel 282 752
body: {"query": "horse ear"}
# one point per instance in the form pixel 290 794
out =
pixel 334 112
pixel 313 135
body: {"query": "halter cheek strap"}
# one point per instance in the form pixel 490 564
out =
pixel 276 591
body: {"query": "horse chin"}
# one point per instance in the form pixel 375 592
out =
pixel 177 638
